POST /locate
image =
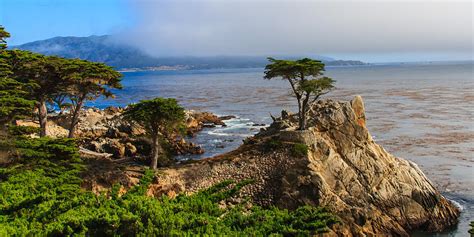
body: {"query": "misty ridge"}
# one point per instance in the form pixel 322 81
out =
pixel 108 50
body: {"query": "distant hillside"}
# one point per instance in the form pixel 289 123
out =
pixel 93 48
pixel 104 49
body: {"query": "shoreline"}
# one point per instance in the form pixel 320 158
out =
pixel 372 64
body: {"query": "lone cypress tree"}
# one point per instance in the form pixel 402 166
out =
pixel 306 80
pixel 158 116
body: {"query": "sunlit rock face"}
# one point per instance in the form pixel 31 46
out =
pixel 372 191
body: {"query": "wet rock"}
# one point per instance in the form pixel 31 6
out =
pixel 208 125
pixel 227 117
pixel 182 147
pixel 196 121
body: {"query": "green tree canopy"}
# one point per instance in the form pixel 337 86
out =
pixel 3 36
pixel 158 116
pixel 306 80
pixel 87 81
pixel 14 103
pixel 41 74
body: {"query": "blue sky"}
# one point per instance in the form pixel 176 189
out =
pixel 368 30
pixel 29 20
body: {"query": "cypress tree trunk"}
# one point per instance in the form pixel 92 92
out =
pixel 75 117
pixel 302 114
pixel 156 150
pixel 302 122
pixel 42 117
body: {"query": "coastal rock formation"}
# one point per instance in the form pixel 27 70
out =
pixel 196 121
pixel 335 164
pixel 105 131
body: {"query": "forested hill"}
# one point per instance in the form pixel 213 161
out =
pixel 104 49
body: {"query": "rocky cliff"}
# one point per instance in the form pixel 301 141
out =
pixel 335 163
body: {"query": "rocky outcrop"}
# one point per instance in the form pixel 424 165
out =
pixel 196 121
pixel 373 192
pixel 105 131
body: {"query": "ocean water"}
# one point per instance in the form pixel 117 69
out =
pixel 420 112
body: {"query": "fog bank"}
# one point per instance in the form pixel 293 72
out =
pixel 244 27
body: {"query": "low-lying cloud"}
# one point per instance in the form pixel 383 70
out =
pixel 261 27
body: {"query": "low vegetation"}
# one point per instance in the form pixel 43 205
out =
pixel 272 144
pixel 299 150
pixel 40 194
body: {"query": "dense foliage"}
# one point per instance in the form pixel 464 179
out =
pixel 59 81
pixel 29 79
pixel 306 80
pixel 40 195
pixel 13 95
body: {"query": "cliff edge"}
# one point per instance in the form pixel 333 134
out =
pixel 335 164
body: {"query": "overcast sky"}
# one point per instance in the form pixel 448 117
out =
pixel 366 30
pixel 369 29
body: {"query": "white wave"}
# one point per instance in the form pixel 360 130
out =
pixel 459 205
pixel 217 133
pixel 216 141
pixel 237 119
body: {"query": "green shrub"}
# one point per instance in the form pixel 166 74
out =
pixel 22 130
pixel 249 141
pixel 47 148
pixel 471 231
pixel 272 144
pixel 299 150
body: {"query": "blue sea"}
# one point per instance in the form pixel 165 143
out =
pixel 421 112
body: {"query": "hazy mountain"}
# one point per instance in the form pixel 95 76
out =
pixel 104 49
pixel 93 48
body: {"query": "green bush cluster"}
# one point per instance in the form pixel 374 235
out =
pixel 22 130
pixel 471 231
pixel 272 144
pixel 299 150
pixel 41 195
